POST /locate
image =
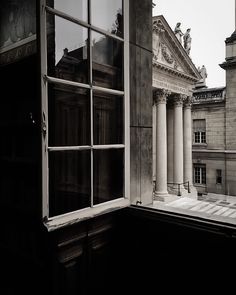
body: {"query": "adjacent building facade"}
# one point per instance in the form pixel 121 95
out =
pixel 214 137
pixel 208 115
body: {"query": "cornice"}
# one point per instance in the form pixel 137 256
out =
pixel 173 71
pixel 229 63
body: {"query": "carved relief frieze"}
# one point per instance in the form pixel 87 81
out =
pixel 158 30
pixel 166 55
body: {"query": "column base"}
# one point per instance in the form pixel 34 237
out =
pixel 161 196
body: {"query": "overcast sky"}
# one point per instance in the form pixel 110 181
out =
pixel 211 22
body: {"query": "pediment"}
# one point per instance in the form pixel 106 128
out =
pixel 169 54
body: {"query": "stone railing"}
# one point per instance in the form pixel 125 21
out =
pixel 209 95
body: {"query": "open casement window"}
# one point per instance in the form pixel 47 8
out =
pixel 85 108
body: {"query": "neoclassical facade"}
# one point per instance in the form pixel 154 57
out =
pixel 174 76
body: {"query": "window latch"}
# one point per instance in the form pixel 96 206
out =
pixel 44 126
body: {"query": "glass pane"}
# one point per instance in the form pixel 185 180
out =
pixel 107 56
pixel 75 8
pixel 108 175
pixel 67 50
pixel 69 181
pixel 108 15
pixel 108 119
pixel 69 115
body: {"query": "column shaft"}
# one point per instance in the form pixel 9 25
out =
pixel 188 143
pixel 170 151
pixel 178 140
pixel 161 144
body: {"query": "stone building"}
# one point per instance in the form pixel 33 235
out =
pixel 214 136
pixel 174 77
pixel 208 115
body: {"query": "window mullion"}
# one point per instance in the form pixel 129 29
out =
pixel 44 109
pixel 91 96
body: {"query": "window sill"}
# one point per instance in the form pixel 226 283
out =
pixel 64 220
pixel 186 216
pixel 199 145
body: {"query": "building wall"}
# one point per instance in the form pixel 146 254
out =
pixel 230 109
pixel 215 125
pixel 141 101
pixel 231 174
pixel 213 162
pixel 214 114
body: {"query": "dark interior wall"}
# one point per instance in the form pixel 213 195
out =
pixel 166 253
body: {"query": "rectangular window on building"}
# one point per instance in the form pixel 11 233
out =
pixel 84 64
pixel 199 131
pixel 219 176
pixel 200 174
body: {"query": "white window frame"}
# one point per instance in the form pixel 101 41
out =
pixel 200 174
pixel 201 133
pixel 75 216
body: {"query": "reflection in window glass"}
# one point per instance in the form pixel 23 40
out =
pixel 107 56
pixel 108 15
pixel 69 115
pixel 108 119
pixel 67 50
pixel 75 8
pixel 108 176
pixel 69 181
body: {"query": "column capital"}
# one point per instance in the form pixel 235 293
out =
pixel 188 102
pixel 178 99
pixel 160 96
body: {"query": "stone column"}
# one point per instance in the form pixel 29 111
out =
pixel 160 97
pixel 170 146
pixel 178 139
pixel 154 111
pixel 188 141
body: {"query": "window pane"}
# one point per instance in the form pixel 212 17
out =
pixel 108 15
pixel 108 175
pixel 197 175
pixel 197 137
pixel 107 62
pixel 67 50
pixel 69 115
pixel 69 181
pixel 108 119
pixel 203 175
pixel 75 8
pixel 203 139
